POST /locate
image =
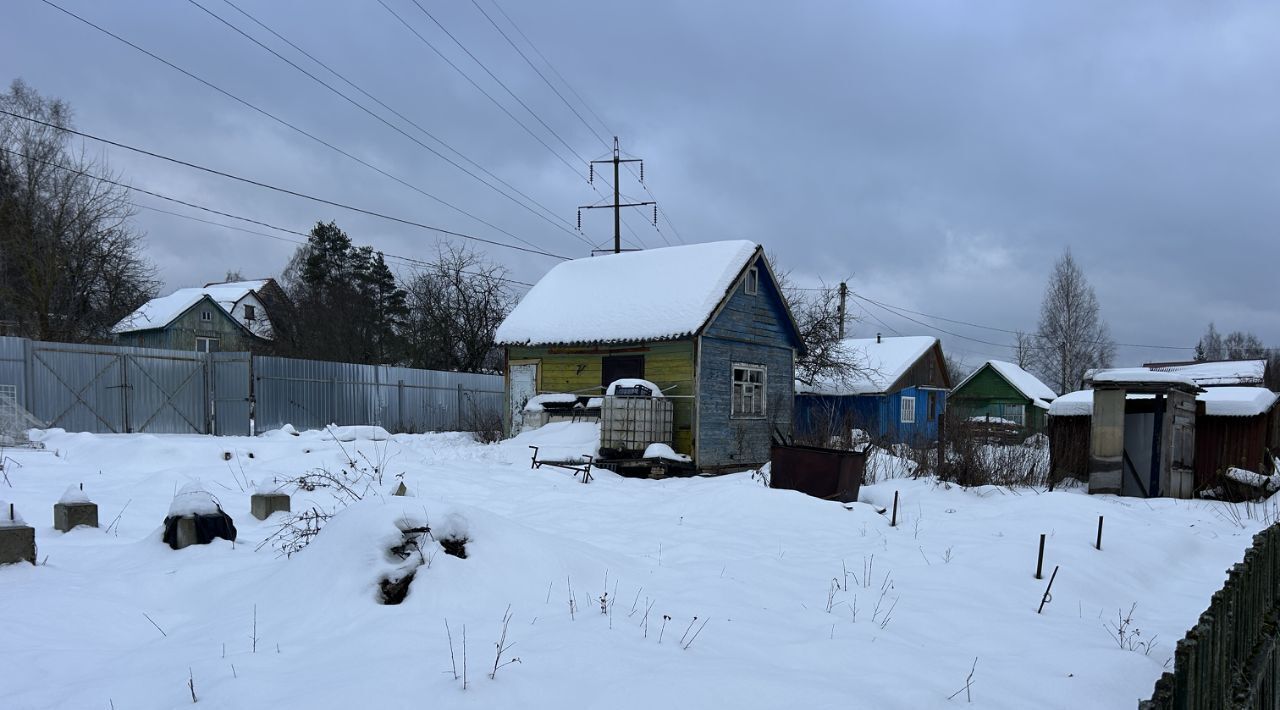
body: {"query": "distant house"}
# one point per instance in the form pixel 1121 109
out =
pixel 898 393
pixel 706 323
pixel 1004 392
pixel 235 315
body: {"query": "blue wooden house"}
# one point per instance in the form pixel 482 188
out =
pixel 705 323
pixel 897 394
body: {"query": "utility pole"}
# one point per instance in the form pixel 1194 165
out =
pixel 617 205
pixel 844 296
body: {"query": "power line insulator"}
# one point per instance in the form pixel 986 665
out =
pixel 591 174
pixel 655 215
pixel 579 220
pixel 641 171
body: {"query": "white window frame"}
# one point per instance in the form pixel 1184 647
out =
pixel 907 406
pixel 743 391
pixel 1016 413
pixel 203 343
pixel 752 285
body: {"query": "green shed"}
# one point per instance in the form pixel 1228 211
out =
pixel 1002 390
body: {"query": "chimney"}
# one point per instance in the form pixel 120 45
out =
pixel 877 338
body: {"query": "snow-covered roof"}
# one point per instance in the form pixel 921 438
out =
pixel 1216 374
pixel 1236 401
pixel 1028 384
pixel 656 294
pixel 1138 375
pixel 880 363
pixel 159 312
pixel 1218 402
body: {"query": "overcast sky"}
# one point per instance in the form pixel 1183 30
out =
pixel 940 155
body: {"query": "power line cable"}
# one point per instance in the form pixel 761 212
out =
pixel 501 83
pixel 479 88
pixel 283 190
pixel 204 208
pixel 283 122
pixel 406 259
pixel 563 225
pixel 569 86
pixel 494 100
pixel 1018 332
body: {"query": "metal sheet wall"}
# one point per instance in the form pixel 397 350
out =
pixel 105 388
pixel 311 394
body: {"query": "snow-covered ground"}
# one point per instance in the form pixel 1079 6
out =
pixel 721 592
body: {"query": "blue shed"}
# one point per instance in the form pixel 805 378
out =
pixel 897 395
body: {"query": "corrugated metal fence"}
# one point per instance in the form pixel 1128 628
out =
pixel 105 388
pixel 1229 658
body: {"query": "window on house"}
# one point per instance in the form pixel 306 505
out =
pixel 206 315
pixel 748 391
pixel 1016 413
pixel 932 414
pixel 249 312
pixel 908 410
pixel 206 345
pixel 753 281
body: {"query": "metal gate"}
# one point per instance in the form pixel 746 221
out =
pixel 118 390
pixel 231 394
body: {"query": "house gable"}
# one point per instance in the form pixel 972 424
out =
pixel 988 385
pixel 929 370
pixel 760 317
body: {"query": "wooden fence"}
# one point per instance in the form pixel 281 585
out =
pixel 1229 658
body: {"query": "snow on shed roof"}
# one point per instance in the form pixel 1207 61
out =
pixel 1227 372
pixel 1025 382
pixel 1138 374
pixel 159 312
pixel 656 294
pixel 1218 402
pixel 1236 401
pixel 880 362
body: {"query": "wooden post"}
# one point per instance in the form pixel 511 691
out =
pixel 1098 544
pixel 1040 559
pixel 893 523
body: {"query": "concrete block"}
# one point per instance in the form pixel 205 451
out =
pixel 70 515
pixel 262 505
pixel 186 532
pixel 17 544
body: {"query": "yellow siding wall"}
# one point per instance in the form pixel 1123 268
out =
pixel 577 370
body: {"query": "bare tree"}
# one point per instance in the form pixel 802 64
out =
pixel 70 264
pixel 455 306
pixel 1241 345
pixel 1024 349
pixel 1209 348
pixel 957 367
pixel 1072 338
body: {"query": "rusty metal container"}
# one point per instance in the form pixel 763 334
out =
pixel 830 474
